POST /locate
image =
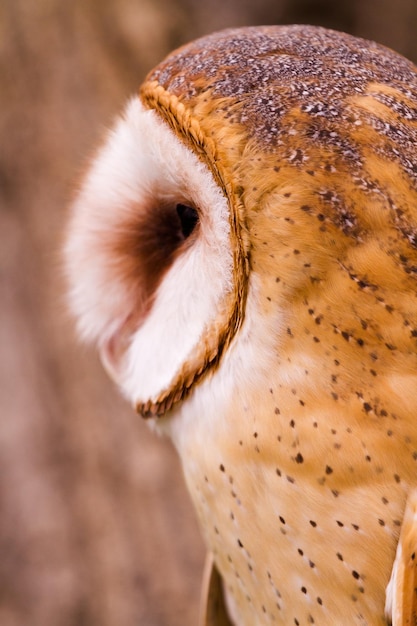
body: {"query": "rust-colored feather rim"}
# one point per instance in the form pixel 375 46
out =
pixel 218 336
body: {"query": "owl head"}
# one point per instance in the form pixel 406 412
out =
pixel 253 167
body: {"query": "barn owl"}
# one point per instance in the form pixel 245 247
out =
pixel 243 252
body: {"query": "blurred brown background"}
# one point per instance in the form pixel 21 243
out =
pixel 95 526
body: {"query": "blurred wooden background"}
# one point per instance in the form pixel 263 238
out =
pixel 95 526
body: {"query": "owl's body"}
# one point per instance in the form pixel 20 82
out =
pixel 275 340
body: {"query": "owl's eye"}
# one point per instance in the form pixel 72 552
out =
pixel 188 218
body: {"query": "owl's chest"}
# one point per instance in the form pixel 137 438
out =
pixel 301 512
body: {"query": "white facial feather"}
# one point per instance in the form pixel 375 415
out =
pixel 141 164
pixel 244 367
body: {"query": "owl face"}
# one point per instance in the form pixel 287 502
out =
pixel 151 257
pixel 244 253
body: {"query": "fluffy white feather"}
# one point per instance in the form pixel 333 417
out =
pixel 143 162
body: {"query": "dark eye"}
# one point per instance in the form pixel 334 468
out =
pixel 188 219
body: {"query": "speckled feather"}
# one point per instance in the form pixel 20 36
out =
pixel 301 491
